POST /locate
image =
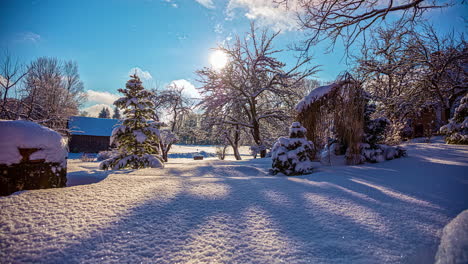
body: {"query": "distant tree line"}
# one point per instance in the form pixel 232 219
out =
pixel 46 91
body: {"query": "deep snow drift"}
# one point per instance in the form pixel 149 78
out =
pixel 233 211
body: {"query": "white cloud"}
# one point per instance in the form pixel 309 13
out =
pixel 189 88
pixel 206 3
pixel 267 13
pixel 218 28
pixel 94 110
pixel 28 37
pixel 145 75
pixel 101 97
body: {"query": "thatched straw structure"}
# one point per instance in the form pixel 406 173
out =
pixel 335 111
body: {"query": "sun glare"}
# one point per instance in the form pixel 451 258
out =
pixel 218 59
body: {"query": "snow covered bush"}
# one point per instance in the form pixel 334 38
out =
pixel 31 157
pixel 457 128
pixel 221 151
pixel 106 154
pixel 374 129
pixel 87 157
pixel 293 155
pixel 137 137
pixel 380 152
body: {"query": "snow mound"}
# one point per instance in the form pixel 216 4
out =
pixel 453 247
pixel 25 134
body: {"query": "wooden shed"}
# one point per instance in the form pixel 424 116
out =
pixel 89 134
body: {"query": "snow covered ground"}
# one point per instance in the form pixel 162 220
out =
pixel 215 211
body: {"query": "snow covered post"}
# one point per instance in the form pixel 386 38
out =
pixel 31 157
pixel 293 155
pixel 137 137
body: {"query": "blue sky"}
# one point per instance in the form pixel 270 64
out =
pixel 168 39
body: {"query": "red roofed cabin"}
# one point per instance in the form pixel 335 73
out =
pixel 89 134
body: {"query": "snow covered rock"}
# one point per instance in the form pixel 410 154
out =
pixel 453 248
pixel 293 155
pixel 31 157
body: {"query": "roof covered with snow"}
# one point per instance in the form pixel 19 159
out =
pixel 91 126
pixel 316 95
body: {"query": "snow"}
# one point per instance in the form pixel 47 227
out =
pixel 214 211
pixel 453 247
pixel 26 134
pixel 315 95
pixel 90 126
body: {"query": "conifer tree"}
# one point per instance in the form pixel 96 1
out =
pixel 137 137
pixel 105 113
pixel 293 155
pixel 117 114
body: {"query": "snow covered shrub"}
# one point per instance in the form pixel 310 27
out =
pixel 31 157
pixel 107 154
pixel 293 155
pixel 379 153
pixel 255 150
pixel 374 129
pixel 457 128
pixel 137 137
pixel 87 157
pixel 221 151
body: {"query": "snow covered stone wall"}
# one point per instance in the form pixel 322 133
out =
pixel 31 157
pixel 293 155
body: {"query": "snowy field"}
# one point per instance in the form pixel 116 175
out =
pixel 215 211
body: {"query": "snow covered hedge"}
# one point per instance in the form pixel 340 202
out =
pixel 293 155
pixel 31 157
pixel 457 128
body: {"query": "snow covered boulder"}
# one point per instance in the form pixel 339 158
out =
pixel 453 248
pixel 31 157
pixel 293 155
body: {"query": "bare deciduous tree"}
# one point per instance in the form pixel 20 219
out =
pixel 52 92
pixel 174 101
pixel 254 83
pixel 11 74
pixel 331 19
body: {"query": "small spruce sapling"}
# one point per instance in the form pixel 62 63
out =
pixel 293 155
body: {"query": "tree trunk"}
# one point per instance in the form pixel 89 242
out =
pixel 236 152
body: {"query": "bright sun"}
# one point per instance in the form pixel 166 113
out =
pixel 218 59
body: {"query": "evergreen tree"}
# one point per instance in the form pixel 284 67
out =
pixel 293 155
pixel 457 128
pixel 105 113
pixel 137 137
pixel 117 114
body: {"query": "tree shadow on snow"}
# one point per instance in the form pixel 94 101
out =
pixel 236 212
